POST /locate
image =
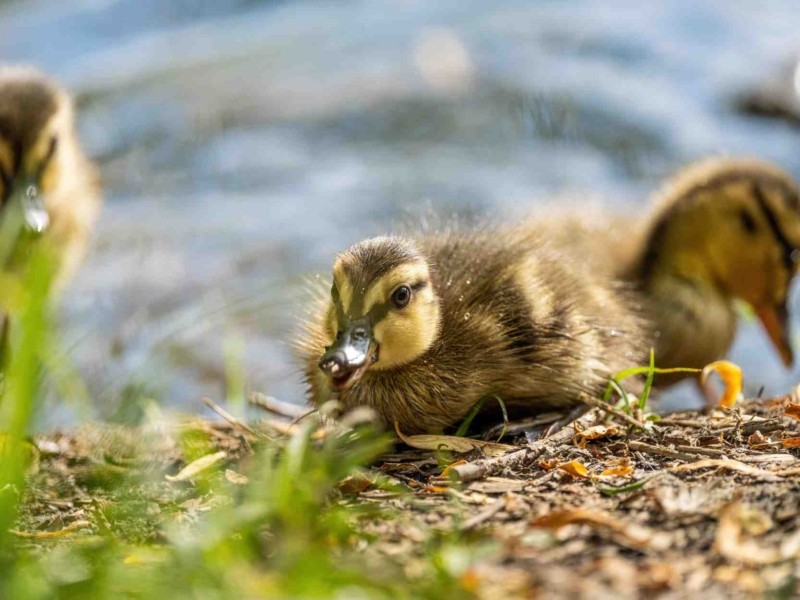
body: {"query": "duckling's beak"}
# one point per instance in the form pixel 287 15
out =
pixel 23 218
pixel 776 322
pixel 26 204
pixel 350 355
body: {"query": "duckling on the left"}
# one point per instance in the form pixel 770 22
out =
pixel 42 166
pixel 45 178
pixel 422 329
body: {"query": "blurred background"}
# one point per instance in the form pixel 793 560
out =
pixel 243 142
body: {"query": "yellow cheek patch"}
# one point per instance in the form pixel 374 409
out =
pixel 408 274
pixel 405 334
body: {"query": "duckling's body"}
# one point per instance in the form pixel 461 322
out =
pixel 722 230
pixel 493 312
pixel 39 151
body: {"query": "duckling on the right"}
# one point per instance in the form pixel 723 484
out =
pixel 722 230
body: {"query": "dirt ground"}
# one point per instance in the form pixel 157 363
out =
pixel 695 505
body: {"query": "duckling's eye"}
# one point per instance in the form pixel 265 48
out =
pixel 748 223
pixel 401 296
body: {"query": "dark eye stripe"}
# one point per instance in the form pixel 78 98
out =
pixel 790 252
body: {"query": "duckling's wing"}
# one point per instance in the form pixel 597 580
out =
pixel 607 243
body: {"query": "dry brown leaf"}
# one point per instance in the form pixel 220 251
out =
pixel 448 468
pixel 452 443
pixel 731 542
pixel 575 468
pixel 731 376
pixel 791 442
pixel 548 464
pixel 632 534
pixel 597 432
pixel 236 478
pixel 731 465
pixel 436 489
pixel 757 439
pixel 196 467
pixel 355 484
pixel 792 409
pixel 618 471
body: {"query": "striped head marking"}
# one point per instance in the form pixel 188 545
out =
pixel 384 311
pixel 734 224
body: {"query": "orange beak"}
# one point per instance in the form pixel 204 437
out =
pixel 776 322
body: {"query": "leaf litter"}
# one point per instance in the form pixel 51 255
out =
pixel 601 508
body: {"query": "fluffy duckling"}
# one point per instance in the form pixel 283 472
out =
pixel 44 174
pixel 724 229
pixel 422 329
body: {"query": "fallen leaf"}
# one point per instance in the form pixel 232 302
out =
pixel 447 469
pixel 452 443
pixel 791 442
pixel 731 376
pixel 618 471
pixel 355 484
pixel 597 432
pixel 632 534
pixel 575 468
pixel 196 467
pixel 236 478
pixel 792 410
pixel 731 465
pixel 436 489
pixel 548 464
pixel 732 543
pixel 757 439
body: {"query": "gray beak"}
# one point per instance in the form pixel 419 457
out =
pixel 23 218
pixel 350 354
pixel 34 215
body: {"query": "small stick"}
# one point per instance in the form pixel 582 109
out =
pixel 697 450
pixel 606 407
pixel 236 422
pixel 484 515
pixel 680 423
pixel 660 450
pixel 46 535
pixel 279 407
pixel 489 466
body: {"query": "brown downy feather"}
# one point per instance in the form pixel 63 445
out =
pixel 519 320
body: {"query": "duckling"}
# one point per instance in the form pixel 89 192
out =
pixel 421 329
pixel 44 174
pixel 723 229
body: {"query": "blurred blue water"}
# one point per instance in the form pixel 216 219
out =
pixel 242 143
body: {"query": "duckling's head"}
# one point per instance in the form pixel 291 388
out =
pixel 733 224
pixel 36 124
pixel 383 312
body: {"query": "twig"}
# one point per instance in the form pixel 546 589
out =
pixel 706 451
pixel 45 535
pixel 660 450
pixel 605 407
pixel 490 466
pixel 484 515
pixel 278 407
pixel 236 422
pixel 666 422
